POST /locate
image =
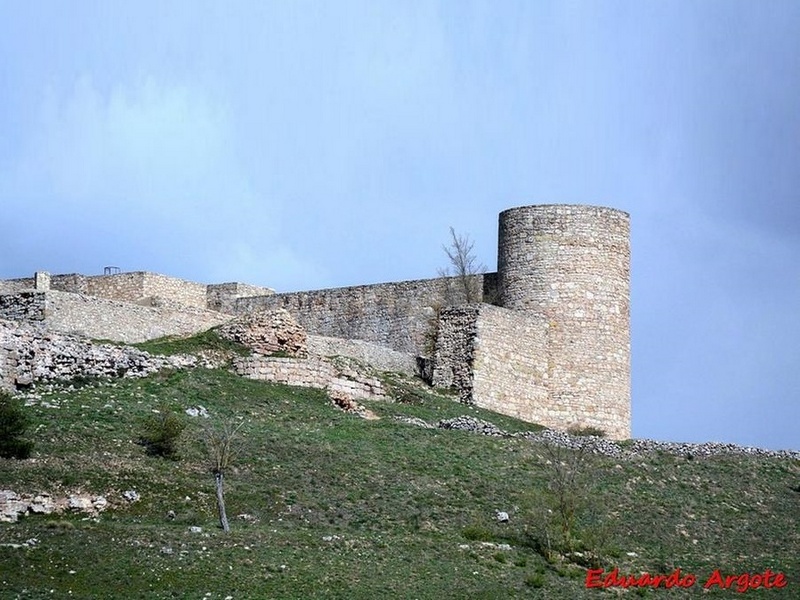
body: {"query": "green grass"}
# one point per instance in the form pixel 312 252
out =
pixel 347 508
pixel 208 340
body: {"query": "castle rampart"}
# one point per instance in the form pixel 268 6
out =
pixel 555 351
pixel 222 297
pixel 494 357
pixel 100 318
pixel 397 315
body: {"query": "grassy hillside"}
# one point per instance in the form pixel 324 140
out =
pixel 341 507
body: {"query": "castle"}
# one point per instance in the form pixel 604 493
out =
pixel 550 343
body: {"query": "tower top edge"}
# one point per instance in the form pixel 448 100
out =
pixel 566 207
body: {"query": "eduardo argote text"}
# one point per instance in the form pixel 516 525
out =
pixel 743 582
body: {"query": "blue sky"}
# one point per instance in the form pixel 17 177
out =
pixel 303 145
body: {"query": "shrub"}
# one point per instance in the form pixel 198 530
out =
pixel 566 520
pixel 477 533
pixel 13 424
pixel 586 431
pixel 161 434
pixel 535 580
pixel 60 526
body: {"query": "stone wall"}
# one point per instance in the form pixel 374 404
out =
pixel 23 306
pixel 127 287
pixel 502 360
pixel 12 286
pixel 70 282
pixel 510 368
pixel 378 357
pixel 99 318
pixel 124 322
pixel 137 286
pixel 140 287
pixel 176 290
pixel 223 296
pixel 29 354
pixel 396 315
pixel 336 377
pixel 267 332
pixel 455 350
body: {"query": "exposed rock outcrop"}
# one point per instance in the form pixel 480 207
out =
pixel 13 505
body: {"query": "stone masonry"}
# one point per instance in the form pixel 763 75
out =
pixel 338 378
pixel 396 315
pixel 100 318
pixel 570 266
pixel 30 354
pixel 555 350
pixel 560 352
pixel 268 332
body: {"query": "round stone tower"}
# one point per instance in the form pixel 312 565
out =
pixel 570 264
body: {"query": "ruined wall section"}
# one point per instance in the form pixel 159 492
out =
pixel 176 290
pixel 397 315
pixel 455 350
pixel 222 297
pixel 23 306
pixel 500 360
pixel 570 265
pixel 138 287
pixel 334 377
pixel 99 318
pixel 496 359
pixel 12 286
pixel 74 283
pixel 29 355
pixel 376 356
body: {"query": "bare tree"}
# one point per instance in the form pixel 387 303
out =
pixel 464 265
pixel 566 519
pixel 460 285
pixel 220 444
